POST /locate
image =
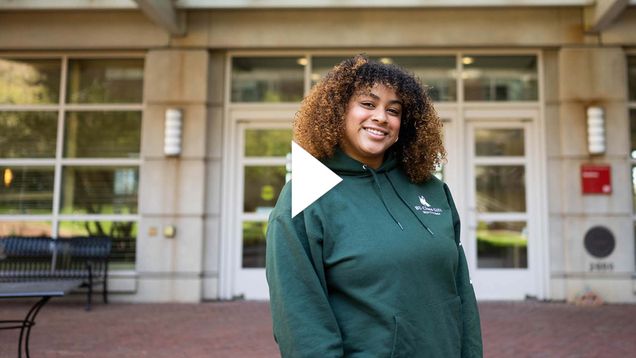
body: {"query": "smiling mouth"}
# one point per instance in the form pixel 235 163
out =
pixel 375 131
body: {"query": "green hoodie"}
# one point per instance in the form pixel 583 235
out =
pixel 374 268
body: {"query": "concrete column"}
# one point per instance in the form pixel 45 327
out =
pixel 173 189
pixel 213 163
pixel 589 76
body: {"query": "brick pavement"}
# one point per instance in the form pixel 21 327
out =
pixel 243 329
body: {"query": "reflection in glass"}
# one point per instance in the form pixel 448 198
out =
pixel 500 78
pixel 502 245
pixel 102 135
pixel 122 233
pixel 29 81
pixel 25 228
pixel 99 190
pixel 631 77
pixel 261 187
pixel 499 142
pixel 105 81
pixel 254 243
pixel 500 188
pixel 268 79
pixel 26 190
pixel 267 142
pixel 28 134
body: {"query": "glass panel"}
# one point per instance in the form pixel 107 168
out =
pixel 500 188
pixel 26 190
pixel 436 72
pixel 500 78
pixel 632 123
pixel 29 81
pixel 268 79
pixel 25 228
pixel 499 142
pixel 28 134
pixel 99 190
pixel 267 142
pixel 631 74
pixel 254 243
pixel 261 187
pixel 102 135
pixel 105 81
pixel 321 65
pixel 122 233
pixel 502 245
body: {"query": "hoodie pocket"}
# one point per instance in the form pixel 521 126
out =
pixel 434 331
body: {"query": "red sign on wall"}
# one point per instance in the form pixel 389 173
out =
pixel 596 179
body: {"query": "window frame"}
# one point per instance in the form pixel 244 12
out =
pixel 58 163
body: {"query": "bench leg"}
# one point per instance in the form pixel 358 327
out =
pixel 89 294
pixel 105 290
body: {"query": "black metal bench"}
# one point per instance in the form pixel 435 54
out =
pixel 24 259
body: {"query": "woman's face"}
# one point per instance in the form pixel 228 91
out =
pixel 372 124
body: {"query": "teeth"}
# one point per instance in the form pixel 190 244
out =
pixel 375 131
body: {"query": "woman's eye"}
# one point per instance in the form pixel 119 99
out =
pixel 367 104
pixel 394 112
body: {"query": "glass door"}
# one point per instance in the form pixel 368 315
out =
pixel 263 168
pixel 502 231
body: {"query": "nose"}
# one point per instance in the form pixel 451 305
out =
pixel 379 116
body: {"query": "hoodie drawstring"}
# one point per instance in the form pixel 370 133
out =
pixel 377 183
pixel 407 205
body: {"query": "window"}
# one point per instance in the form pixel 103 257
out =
pixel 437 73
pixel 268 79
pixel 501 78
pixel 70 131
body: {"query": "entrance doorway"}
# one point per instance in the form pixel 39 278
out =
pixel 492 171
pixel 261 167
pixel 502 217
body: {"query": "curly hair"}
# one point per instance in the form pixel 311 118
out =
pixel 320 122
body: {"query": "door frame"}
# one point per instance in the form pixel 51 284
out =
pixel 536 209
pixel 230 247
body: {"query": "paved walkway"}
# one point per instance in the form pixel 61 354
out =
pixel 242 329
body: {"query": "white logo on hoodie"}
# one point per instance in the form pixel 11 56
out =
pixel 424 202
pixel 427 208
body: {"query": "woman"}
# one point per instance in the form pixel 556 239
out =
pixel 374 268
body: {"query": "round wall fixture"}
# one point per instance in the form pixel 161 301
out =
pixel 599 242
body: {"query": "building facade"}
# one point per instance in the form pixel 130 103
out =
pixel 86 88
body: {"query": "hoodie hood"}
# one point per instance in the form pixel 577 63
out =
pixel 344 165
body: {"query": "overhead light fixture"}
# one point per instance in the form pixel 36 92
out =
pixel 303 61
pixel 468 60
pixel 172 132
pixel 386 60
pixel 7 177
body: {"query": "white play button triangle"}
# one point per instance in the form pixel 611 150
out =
pixel 310 179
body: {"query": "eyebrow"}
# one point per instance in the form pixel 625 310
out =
pixel 371 94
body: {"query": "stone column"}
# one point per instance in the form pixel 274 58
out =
pixel 589 76
pixel 173 189
pixel 213 162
